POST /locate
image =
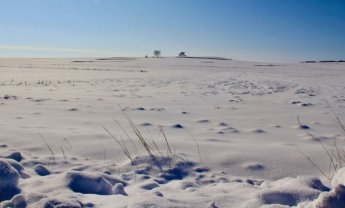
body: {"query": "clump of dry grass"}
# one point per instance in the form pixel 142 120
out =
pixel 122 145
pixel 334 152
pixel 63 149
pixel 143 141
pixel 150 147
pixel 128 137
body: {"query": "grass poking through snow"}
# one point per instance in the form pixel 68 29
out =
pixel 48 146
pixel 334 152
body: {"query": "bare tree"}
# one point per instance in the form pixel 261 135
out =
pixel 157 53
pixel 182 54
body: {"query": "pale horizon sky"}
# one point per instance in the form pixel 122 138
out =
pixel 258 30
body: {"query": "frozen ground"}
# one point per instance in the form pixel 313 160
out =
pixel 241 116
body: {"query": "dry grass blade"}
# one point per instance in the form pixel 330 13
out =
pixel 124 131
pixel 142 140
pixel 64 155
pixel 68 143
pixel 156 147
pixel 302 126
pixel 166 140
pixel 340 125
pixel 299 121
pixel 314 164
pixel 335 153
pixel 196 143
pixel 48 146
pixel 330 156
pixel 122 145
pixel 333 159
pixel 154 144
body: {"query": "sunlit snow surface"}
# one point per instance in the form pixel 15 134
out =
pixel 232 128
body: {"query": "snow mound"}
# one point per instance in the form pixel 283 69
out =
pixel 17 201
pixel 17 156
pixel 19 167
pixel 334 198
pixel 288 191
pixel 88 183
pixel 149 185
pixel 113 180
pixel 119 189
pixel 41 170
pixel 60 203
pixel 338 178
pixel 184 184
pixel 9 177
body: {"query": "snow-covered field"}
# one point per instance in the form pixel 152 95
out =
pixel 232 127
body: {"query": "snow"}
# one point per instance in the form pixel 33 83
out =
pixel 41 170
pixel 217 133
pixel 8 181
pixel 87 183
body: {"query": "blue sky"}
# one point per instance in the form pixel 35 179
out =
pixel 265 30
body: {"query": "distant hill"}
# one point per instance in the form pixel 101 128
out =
pixel 205 57
pixel 324 61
